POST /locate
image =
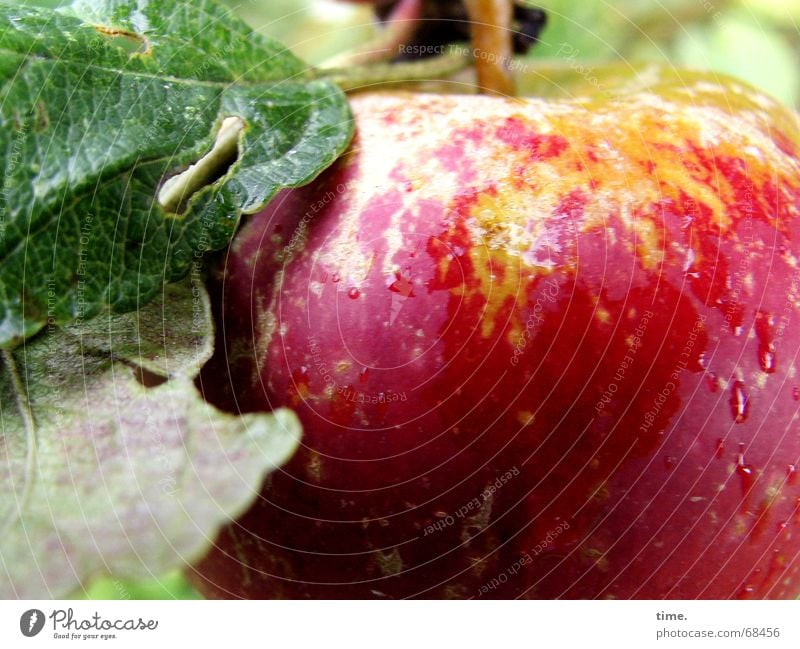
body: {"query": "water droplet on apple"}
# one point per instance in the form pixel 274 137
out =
pixel 739 402
pixel 766 346
pixel 746 471
pixel 353 293
pixel 741 466
pixel 712 381
pixel 689 262
pixel 720 447
pixel 796 393
pixel 766 359
pixel 363 375
pixel 791 472
pixel 335 278
pixel 669 463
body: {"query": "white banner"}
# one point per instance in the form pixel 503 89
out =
pixel 404 625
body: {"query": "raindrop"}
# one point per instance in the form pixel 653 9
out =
pixel 766 346
pixel 688 265
pixel 746 471
pixel 353 293
pixel 741 466
pixel 739 402
pixel 766 359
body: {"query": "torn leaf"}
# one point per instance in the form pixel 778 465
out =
pixel 102 474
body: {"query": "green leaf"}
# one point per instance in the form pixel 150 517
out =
pixel 106 101
pixel 170 586
pixel 101 474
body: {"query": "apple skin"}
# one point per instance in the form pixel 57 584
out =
pixel 542 349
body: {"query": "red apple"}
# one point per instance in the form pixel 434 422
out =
pixel 540 349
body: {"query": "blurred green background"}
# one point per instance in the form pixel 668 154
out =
pixel 755 40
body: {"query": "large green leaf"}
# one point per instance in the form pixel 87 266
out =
pixel 110 460
pixel 102 103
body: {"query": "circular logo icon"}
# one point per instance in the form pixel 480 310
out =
pixel 31 622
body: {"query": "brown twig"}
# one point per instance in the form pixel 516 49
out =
pixel 492 42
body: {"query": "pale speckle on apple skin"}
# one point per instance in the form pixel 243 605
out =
pixel 389 562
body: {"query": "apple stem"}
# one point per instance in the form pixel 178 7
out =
pixel 492 39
